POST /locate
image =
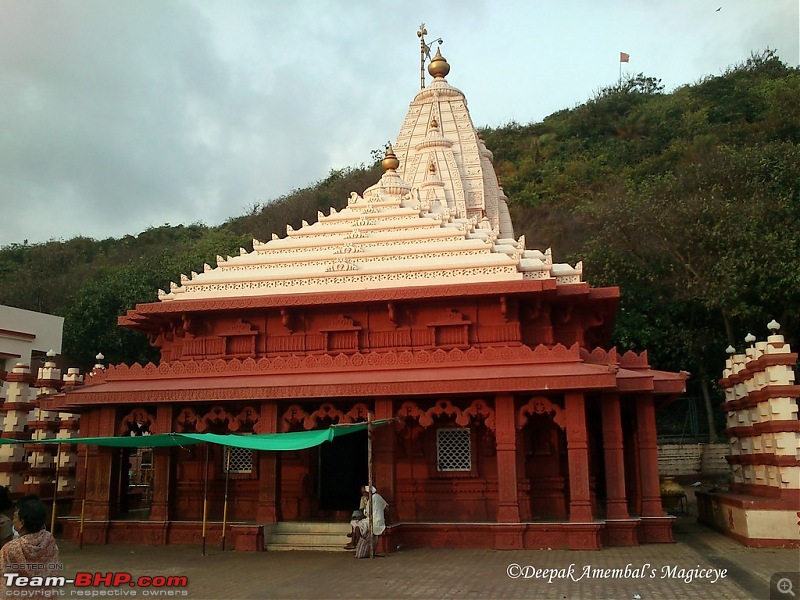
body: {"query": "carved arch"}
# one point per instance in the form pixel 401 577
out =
pixel 541 405
pixel 325 411
pixel 186 421
pixel 216 416
pixel 137 422
pixel 246 420
pixel 411 411
pixel 356 414
pixel 294 416
pixel 478 410
pixel 444 407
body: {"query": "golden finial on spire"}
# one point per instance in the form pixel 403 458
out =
pixel 390 162
pixel 425 52
pixel 439 67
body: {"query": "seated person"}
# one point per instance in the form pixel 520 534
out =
pixel 361 533
pixel 356 517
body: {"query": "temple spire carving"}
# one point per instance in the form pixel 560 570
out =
pixel 436 215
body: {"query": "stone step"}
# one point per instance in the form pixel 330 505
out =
pixel 310 536
pixel 309 547
pixel 311 527
pixel 300 538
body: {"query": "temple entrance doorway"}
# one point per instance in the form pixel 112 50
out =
pixel 343 470
pixel 133 491
pixel 546 467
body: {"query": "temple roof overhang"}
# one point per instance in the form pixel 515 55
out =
pixel 667 383
pixel 391 382
pixel 521 370
pixel 148 316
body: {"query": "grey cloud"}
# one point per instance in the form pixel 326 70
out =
pixel 116 116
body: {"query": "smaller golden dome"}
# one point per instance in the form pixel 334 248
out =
pixel 390 162
pixel 439 67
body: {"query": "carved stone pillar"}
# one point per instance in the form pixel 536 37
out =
pixel 162 469
pixel 648 457
pixel 506 436
pixel 98 487
pixel 268 465
pixel 582 532
pixel 383 441
pixel 620 528
pixel 509 537
pixel 580 506
pixel 616 502
pixel 99 494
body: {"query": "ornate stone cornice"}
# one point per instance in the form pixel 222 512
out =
pixel 339 362
pixel 360 389
pixel 144 311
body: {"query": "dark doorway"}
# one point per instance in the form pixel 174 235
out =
pixel 342 471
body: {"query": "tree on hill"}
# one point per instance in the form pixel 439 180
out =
pixel 689 201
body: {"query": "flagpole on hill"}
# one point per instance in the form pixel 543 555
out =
pixel 623 58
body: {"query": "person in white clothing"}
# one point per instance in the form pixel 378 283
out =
pixel 376 508
pixel 356 517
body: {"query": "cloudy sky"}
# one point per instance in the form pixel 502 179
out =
pixel 116 116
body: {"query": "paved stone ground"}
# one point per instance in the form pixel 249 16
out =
pixel 428 573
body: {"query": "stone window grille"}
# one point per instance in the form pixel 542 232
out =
pixel 241 461
pixel 453 449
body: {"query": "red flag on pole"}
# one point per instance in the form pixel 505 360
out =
pixel 624 57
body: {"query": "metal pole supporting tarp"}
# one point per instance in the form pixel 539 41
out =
pixel 225 501
pixel 370 504
pixel 83 500
pixel 205 503
pixel 55 493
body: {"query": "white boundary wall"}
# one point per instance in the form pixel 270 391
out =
pixel 693 459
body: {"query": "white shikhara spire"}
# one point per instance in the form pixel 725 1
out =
pixel 437 216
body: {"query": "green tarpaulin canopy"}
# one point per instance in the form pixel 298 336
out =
pixel 265 441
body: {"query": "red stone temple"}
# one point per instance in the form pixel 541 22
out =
pixel 514 423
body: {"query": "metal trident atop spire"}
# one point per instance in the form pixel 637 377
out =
pixel 424 52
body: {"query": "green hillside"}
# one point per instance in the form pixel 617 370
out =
pixel 689 201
